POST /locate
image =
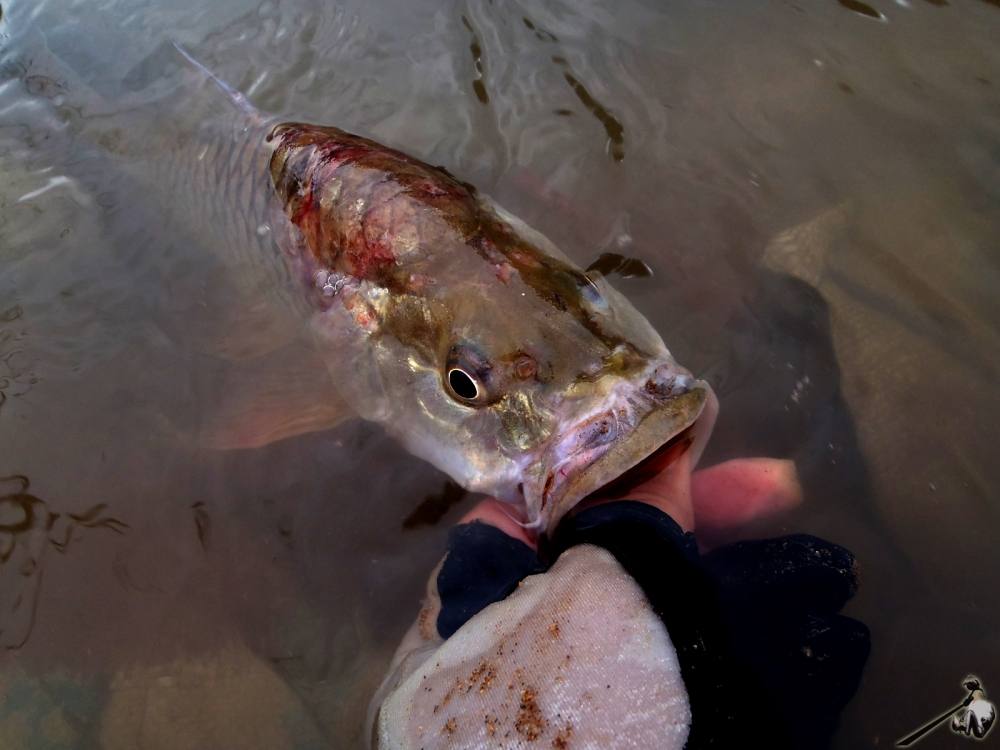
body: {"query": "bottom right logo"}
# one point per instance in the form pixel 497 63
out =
pixel 972 718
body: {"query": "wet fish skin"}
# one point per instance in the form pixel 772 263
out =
pixel 410 274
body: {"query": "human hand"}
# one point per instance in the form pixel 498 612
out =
pixel 715 503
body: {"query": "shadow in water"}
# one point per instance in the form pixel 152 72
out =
pixel 434 507
pixel 476 48
pixel 613 127
pixel 16 377
pixel 28 528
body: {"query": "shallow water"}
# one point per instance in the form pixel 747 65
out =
pixel 816 190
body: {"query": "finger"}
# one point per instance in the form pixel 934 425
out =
pixel 670 491
pixel 730 495
pixel 502 516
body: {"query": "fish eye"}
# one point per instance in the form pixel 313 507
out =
pixel 462 384
pixel 468 375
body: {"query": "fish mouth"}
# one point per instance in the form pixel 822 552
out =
pixel 686 417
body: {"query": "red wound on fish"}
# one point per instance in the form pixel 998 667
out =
pixel 351 198
pixel 525 367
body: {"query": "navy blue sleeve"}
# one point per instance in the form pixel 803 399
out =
pixel 483 566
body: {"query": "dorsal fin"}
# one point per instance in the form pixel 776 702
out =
pixel 235 96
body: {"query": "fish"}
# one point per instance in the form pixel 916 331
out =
pixel 432 311
pixel 469 335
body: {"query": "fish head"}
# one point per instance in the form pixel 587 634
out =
pixel 484 350
pixel 548 384
pixel 525 378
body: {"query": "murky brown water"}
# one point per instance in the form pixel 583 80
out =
pixel 815 186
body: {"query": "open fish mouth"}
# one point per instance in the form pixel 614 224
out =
pixel 600 449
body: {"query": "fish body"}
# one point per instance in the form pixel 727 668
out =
pixel 469 335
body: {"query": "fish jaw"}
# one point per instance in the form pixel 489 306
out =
pixel 630 425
